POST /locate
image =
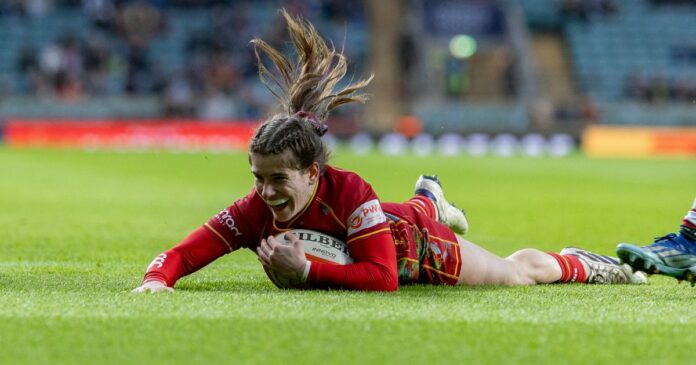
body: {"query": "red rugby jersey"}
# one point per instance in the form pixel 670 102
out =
pixel 343 205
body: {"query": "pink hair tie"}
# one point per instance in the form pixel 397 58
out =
pixel 319 127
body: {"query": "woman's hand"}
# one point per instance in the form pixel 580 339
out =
pixel 287 261
pixel 153 286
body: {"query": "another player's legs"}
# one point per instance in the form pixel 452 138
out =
pixel 671 255
pixel 446 213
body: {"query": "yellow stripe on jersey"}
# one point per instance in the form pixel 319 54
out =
pixel 387 229
pixel 444 240
pixel 408 259
pixel 430 268
pixel 417 206
pixel 219 235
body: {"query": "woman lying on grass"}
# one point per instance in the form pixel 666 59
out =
pixel 391 244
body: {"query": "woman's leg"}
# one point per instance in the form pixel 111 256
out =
pixel 524 267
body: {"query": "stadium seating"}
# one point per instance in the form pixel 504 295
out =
pixel 167 50
pixel 470 117
pixel 606 51
pixel 639 39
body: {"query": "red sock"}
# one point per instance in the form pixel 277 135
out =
pixel 571 268
pixel 424 205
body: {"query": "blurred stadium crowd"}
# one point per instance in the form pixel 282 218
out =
pixel 194 54
pixel 508 66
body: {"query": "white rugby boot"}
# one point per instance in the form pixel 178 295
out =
pixel 601 269
pixel 447 214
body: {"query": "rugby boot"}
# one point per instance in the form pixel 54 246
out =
pixel 671 255
pixel 447 214
pixel 601 269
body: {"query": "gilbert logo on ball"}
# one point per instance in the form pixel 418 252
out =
pixel 320 247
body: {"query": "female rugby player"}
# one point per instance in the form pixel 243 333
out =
pixel 391 243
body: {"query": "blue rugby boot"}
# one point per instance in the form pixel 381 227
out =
pixel 447 214
pixel 672 255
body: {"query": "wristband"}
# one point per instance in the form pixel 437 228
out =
pixel 305 274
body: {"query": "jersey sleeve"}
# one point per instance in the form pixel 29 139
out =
pixel 369 240
pixel 362 214
pixel 374 268
pixel 241 224
pixel 194 252
pixel 227 231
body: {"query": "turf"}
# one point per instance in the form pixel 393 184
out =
pixel 78 229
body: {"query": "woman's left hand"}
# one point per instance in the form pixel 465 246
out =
pixel 286 260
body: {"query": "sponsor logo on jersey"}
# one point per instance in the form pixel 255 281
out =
pixel 226 219
pixel 369 214
pixel 355 222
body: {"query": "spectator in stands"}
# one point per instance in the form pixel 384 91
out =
pixel 636 87
pixel 659 92
pixel 217 105
pixel 682 90
pixel 408 58
pixel 179 96
pixel 97 56
pixel 510 74
pixel 139 22
pixel 101 13
pixel 581 109
pixel 61 67
pixel 657 89
pixel 28 66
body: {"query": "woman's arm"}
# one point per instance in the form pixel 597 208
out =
pixel 197 250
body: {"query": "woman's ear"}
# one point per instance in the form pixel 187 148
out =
pixel 313 171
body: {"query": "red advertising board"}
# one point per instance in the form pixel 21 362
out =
pixel 130 134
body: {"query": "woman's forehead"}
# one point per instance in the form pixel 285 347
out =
pixel 271 163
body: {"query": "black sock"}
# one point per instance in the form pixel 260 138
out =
pixel 688 233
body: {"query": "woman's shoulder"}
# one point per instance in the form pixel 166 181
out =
pixel 343 178
pixel 345 187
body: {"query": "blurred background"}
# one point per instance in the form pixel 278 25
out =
pixel 465 76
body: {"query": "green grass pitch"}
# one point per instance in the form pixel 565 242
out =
pixel 79 228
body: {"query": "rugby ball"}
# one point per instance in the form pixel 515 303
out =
pixel 318 247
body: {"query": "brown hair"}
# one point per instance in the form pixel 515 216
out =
pixel 305 89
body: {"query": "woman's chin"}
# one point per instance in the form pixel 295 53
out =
pixel 282 215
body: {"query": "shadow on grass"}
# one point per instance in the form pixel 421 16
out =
pixel 256 286
pixel 667 292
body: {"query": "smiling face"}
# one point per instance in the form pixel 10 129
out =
pixel 285 190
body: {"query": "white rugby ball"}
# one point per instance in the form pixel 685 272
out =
pixel 320 247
